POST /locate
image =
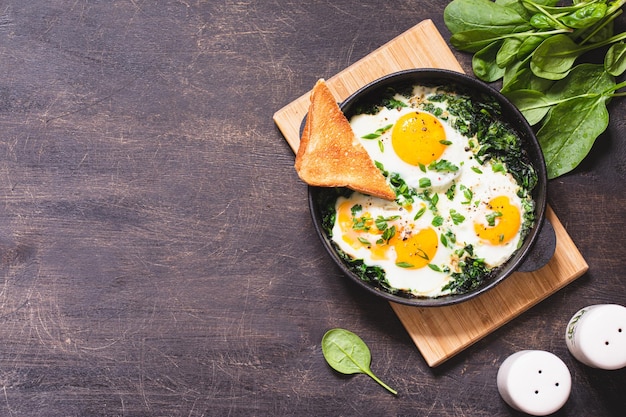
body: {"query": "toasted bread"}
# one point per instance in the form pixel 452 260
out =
pixel 330 155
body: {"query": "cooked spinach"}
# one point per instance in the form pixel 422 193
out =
pixel 498 142
pixel 473 274
pixel 378 99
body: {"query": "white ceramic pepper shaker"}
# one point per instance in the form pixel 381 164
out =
pixel 596 336
pixel 535 382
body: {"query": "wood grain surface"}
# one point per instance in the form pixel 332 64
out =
pixel 157 256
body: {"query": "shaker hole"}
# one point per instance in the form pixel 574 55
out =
pixel 556 384
pixel 606 343
pixel 540 371
pixel 536 391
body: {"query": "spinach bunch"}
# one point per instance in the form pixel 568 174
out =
pixel 535 47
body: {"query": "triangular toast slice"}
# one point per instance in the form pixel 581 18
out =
pixel 330 155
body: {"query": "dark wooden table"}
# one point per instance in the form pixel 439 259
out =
pixel 157 253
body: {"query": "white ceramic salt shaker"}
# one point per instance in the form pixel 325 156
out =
pixel 596 336
pixel 535 382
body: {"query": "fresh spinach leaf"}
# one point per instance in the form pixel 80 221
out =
pixel 555 56
pixel 583 79
pixel 484 63
pixel 585 16
pixel 534 105
pixel 534 46
pixel 347 353
pixel 508 52
pixel 529 44
pixel 521 77
pixel 615 59
pixel 464 15
pixel 475 40
pixel 566 140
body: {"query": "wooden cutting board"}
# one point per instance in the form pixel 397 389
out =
pixel 441 332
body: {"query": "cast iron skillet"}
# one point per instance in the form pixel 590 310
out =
pixel 531 255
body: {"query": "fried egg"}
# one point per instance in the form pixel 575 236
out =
pixel 422 149
pixel 460 207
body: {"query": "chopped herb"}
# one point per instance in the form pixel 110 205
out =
pixel 467 193
pixel 477 170
pixel 448 239
pixel 469 249
pixel 451 236
pixel 419 213
pixel 394 104
pixel 387 235
pixel 425 182
pixel 443 166
pixel 432 200
pixel 403 191
pixel 445 142
pixel 361 223
pixel 456 217
pixel 437 221
pixel 422 254
pixel 381 222
pixel 435 268
pixel 378 132
pixel 491 218
pixel 404 265
pixel 498 167
pixel 451 191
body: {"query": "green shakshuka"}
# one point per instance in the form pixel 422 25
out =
pixel 463 194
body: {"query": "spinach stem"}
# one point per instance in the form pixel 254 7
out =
pixel 608 41
pixel 387 387
pixel 529 33
pixel 601 25
pixel 615 6
pixel 571 8
pixel 612 91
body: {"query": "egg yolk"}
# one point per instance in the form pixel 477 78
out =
pixel 417 138
pixel 506 222
pixel 344 218
pixel 358 237
pixel 417 250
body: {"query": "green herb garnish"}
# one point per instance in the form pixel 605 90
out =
pixel 378 132
pixel 491 218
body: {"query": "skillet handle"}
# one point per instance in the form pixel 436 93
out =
pixel 542 251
